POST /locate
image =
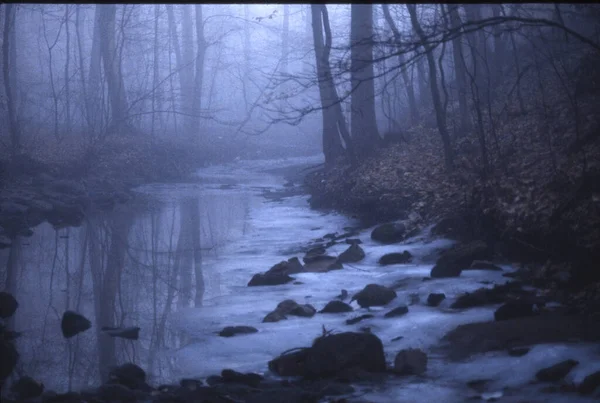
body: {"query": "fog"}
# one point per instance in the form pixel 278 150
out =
pixel 154 157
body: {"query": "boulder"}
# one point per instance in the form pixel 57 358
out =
pixel 229 331
pixel 129 333
pixel 490 296
pixel 249 379
pixel 410 362
pixel 357 319
pixel 272 278
pixel 556 372
pixel 114 392
pixel 454 260
pixel 290 363
pixel 374 295
pixel 322 264
pixel 518 351
pixel 395 258
pixel 336 306
pixel 8 305
pixel 353 241
pixel 434 299
pixel 9 355
pixel 333 353
pixel 27 388
pixel 129 375
pixel 389 233
pixel 590 384
pixel 353 254
pixel 314 253
pixel 514 309
pixel 274 316
pixel 291 307
pixel 483 265
pixel 74 323
pixel 453 227
pixel 291 266
pixel 399 311
pixel 343 295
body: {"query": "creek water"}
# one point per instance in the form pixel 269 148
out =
pixel 176 263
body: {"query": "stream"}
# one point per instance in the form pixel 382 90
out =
pixel 183 256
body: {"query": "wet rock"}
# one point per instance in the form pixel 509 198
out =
pixel 129 375
pixel 230 331
pixel 74 323
pixel 395 258
pixel 291 307
pixel 476 338
pixel 274 316
pixel 518 351
pixel 5 241
pixel 190 384
pixel 353 254
pixel 336 306
pixel 483 265
pixel 410 362
pixel 389 233
pixel 374 295
pixel 453 227
pixel 479 385
pixel 114 392
pixel 129 333
pixel 343 295
pixel 290 363
pixel 262 279
pixel 314 253
pixel 333 353
pixel 322 264
pixel 353 241
pixel 8 305
pixel 399 311
pixel 291 266
pixel 590 384
pixel 357 319
pixel 281 395
pixel 556 372
pixel 454 260
pixel 489 296
pixel 248 379
pixel 69 397
pixel 514 309
pixel 434 299
pixel 27 388
pixel 9 355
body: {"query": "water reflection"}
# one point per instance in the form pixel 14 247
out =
pixel 135 266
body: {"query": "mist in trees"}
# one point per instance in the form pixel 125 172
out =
pixel 237 81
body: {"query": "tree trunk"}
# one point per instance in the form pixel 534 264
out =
pixel 440 114
pixel 285 39
pixel 363 120
pixel 95 84
pixel 156 104
pixel 7 63
pixel 459 72
pixel 187 68
pixel 408 83
pixel 111 64
pixel 334 125
pixel 67 78
pixel 199 77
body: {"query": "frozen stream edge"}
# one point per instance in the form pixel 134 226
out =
pixel 275 228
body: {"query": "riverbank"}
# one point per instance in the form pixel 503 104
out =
pixel 61 183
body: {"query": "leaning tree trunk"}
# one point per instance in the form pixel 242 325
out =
pixel 440 113
pixel 362 104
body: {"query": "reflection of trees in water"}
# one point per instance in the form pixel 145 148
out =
pixel 129 267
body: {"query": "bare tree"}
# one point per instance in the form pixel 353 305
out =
pixel 10 11
pixel 440 113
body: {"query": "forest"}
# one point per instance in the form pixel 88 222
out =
pixel 299 202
